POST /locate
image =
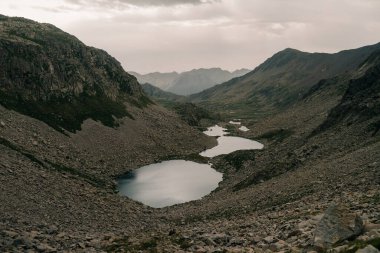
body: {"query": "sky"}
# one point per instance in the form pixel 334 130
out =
pixel 179 35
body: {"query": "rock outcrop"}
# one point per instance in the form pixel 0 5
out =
pixel 368 249
pixel 337 224
pixel 51 75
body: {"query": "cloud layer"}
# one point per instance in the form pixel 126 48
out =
pixel 118 3
pixel 158 35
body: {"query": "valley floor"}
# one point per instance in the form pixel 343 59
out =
pixel 57 191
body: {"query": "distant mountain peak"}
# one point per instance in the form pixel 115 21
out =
pixel 191 81
pixel 289 49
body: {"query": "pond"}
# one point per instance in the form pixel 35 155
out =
pixel 228 144
pixel 170 182
pixel 178 181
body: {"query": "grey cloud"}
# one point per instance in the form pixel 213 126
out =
pixel 158 36
pixel 121 3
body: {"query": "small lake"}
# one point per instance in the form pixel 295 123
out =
pixel 170 182
pixel 178 181
pixel 228 144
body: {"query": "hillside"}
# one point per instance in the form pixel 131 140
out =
pixel 50 75
pixel 190 113
pixel 279 81
pixel 274 199
pixel 159 94
pixel 189 82
pixel 71 121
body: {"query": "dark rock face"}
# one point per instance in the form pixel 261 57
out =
pixel 361 100
pixel 337 224
pixel 49 74
pixel 193 114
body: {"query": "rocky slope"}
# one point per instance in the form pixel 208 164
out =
pixel 189 82
pixel 284 197
pixel 71 120
pixel 279 82
pixel 52 76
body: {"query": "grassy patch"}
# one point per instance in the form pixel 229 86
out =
pixel 376 199
pixel 277 135
pixel 193 114
pixel 374 127
pixel 190 157
pixel 141 103
pixel 238 158
pixel 358 244
pixel 68 113
pixel 49 165
pixel 184 243
pixel 124 245
pixel 88 178
pixel 276 168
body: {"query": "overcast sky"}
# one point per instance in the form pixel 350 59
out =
pixel 167 35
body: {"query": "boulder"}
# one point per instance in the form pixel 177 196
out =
pixel 368 249
pixel 337 224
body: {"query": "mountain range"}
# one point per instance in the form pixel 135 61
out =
pixel 188 82
pixel 279 81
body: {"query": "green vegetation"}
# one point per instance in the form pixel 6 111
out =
pixel 68 113
pixel 124 245
pixel 374 127
pixel 193 114
pixel 278 167
pixel 49 165
pixel 277 135
pixel 149 245
pixel 50 75
pixel 183 242
pixel 238 158
pixel 376 199
pixel 190 157
pixel 142 102
pixel 358 244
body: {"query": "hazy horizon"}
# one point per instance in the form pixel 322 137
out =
pixel 177 35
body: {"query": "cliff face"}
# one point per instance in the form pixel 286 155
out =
pixel 50 75
pixel 361 100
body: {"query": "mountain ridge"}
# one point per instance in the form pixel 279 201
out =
pixel 279 81
pixel 189 82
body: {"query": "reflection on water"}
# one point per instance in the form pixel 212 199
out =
pixel 228 144
pixel 215 131
pixel 235 122
pixel 243 128
pixel 170 182
pixel 178 181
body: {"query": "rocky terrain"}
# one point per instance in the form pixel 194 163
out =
pixel 313 188
pixel 58 174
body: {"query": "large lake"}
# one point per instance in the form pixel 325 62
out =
pixel 178 181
